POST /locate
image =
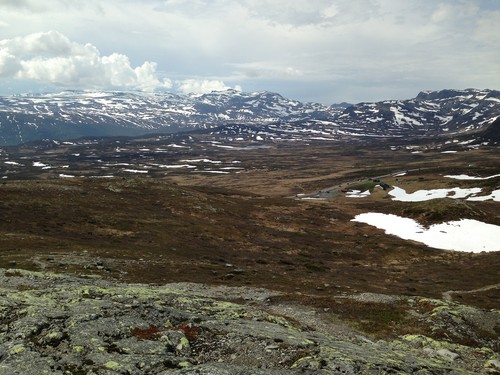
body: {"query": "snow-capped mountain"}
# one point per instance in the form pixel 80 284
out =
pixel 71 114
pixel 430 113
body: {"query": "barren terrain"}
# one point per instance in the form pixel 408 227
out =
pixel 248 226
pixel 253 226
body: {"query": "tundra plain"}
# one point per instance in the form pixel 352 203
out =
pixel 272 215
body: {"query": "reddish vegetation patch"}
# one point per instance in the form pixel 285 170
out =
pixel 150 333
pixel 190 332
pixel 153 332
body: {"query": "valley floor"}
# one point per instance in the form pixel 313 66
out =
pixel 253 228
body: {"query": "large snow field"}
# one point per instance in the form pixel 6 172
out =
pixel 425 195
pixel 461 235
pixel 470 194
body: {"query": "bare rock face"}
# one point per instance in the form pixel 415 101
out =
pixel 55 324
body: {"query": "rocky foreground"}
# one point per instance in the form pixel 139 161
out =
pixel 58 324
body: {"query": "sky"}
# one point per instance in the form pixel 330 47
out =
pixel 325 51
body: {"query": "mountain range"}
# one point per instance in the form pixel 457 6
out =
pixel 73 114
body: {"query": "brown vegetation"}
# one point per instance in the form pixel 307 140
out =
pixel 247 229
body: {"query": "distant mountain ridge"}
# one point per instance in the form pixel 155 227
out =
pixel 430 113
pixel 73 114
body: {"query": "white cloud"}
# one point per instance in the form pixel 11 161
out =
pixel 203 86
pixel 488 30
pixel 297 13
pixel 266 70
pixel 324 50
pixel 452 12
pixel 52 58
pixel 9 65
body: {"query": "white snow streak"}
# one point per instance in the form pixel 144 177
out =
pixel 460 235
pixel 467 177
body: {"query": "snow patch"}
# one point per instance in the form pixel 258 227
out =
pixel 175 166
pixel 494 196
pixel 210 171
pixel 358 194
pixel 134 171
pixel 201 161
pixel 467 177
pixel 461 235
pixel 426 195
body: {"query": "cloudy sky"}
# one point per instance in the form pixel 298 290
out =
pixel 313 50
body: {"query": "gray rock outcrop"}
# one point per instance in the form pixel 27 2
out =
pixel 57 324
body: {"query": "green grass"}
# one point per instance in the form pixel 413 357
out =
pixel 363 186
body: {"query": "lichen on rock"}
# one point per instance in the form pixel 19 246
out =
pixel 63 324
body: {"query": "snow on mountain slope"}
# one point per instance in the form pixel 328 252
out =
pixel 74 114
pixel 430 113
